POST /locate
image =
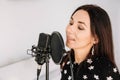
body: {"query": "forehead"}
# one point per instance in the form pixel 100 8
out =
pixel 82 15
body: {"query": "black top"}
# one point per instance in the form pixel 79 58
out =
pixel 95 68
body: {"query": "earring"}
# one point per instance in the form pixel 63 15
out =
pixel 92 50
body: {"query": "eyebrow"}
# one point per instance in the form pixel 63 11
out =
pixel 80 22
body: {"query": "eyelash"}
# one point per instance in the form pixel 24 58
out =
pixel 80 28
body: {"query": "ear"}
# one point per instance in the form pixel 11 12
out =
pixel 96 40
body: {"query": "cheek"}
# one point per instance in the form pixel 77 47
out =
pixel 83 40
pixel 84 37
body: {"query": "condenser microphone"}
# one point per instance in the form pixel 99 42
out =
pixel 43 42
pixel 43 45
pixel 42 49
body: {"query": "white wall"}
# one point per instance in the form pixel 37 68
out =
pixel 21 21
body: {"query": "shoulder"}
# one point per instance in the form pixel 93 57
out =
pixel 102 63
pixel 105 68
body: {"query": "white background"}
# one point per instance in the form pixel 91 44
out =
pixel 21 21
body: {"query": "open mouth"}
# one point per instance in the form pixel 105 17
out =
pixel 70 39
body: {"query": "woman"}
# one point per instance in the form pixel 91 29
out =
pixel 89 36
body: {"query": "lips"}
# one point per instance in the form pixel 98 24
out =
pixel 70 39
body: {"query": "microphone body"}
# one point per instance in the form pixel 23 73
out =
pixel 42 48
pixel 43 42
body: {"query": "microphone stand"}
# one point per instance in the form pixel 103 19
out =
pixel 47 66
pixel 42 58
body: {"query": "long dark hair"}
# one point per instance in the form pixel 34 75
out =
pixel 100 26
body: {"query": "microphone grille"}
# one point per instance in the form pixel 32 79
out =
pixel 43 41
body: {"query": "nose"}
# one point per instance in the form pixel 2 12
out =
pixel 70 29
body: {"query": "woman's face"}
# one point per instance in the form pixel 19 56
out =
pixel 78 33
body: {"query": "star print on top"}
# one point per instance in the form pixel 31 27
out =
pixel 95 68
pixel 96 77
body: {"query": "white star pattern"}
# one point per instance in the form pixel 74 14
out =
pixel 65 71
pixel 109 78
pixel 68 62
pixel 85 77
pixel 96 77
pixel 69 78
pixel 114 70
pixel 91 67
pixel 89 61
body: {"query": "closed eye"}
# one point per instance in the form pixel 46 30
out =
pixel 81 28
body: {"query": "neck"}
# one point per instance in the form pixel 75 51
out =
pixel 81 54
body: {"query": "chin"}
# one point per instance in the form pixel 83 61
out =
pixel 70 46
